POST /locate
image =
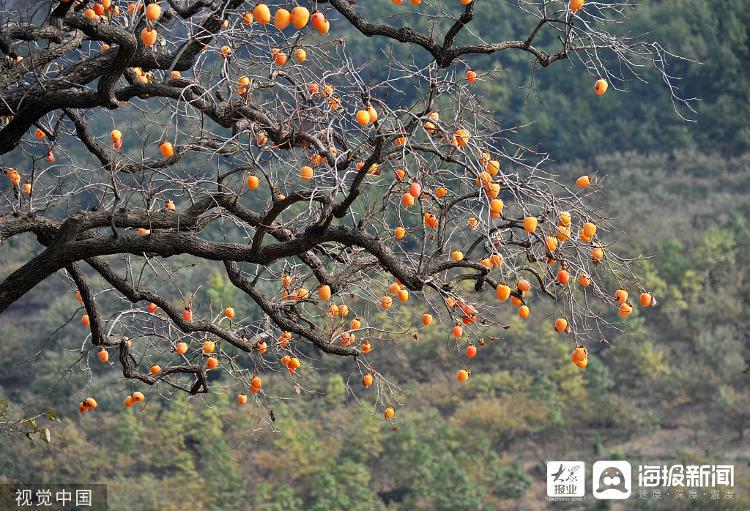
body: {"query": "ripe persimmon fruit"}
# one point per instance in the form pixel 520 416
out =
pixel 503 292
pixel 262 14
pixel 148 36
pixel 600 87
pixel 621 296
pixel 563 277
pixel 166 149
pixel 300 17
pixel 153 12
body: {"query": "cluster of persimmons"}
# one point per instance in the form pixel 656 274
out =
pixel 299 18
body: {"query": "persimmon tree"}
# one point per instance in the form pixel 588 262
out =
pixel 247 137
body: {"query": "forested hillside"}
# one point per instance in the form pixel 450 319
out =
pixel 566 121
pixel 673 387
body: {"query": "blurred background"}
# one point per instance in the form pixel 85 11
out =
pixel 673 389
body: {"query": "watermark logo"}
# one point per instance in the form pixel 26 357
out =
pixel 53 497
pixel 611 480
pixel 690 476
pixel 566 480
pixel 615 480
pixel 686 482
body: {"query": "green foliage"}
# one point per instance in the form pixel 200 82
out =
pixel 336 390
pixel 444 485
pixel 513 481
pixel 270 497
pixel 343 486
pixel 220 291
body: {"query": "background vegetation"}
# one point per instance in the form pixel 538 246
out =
pixel 673 389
